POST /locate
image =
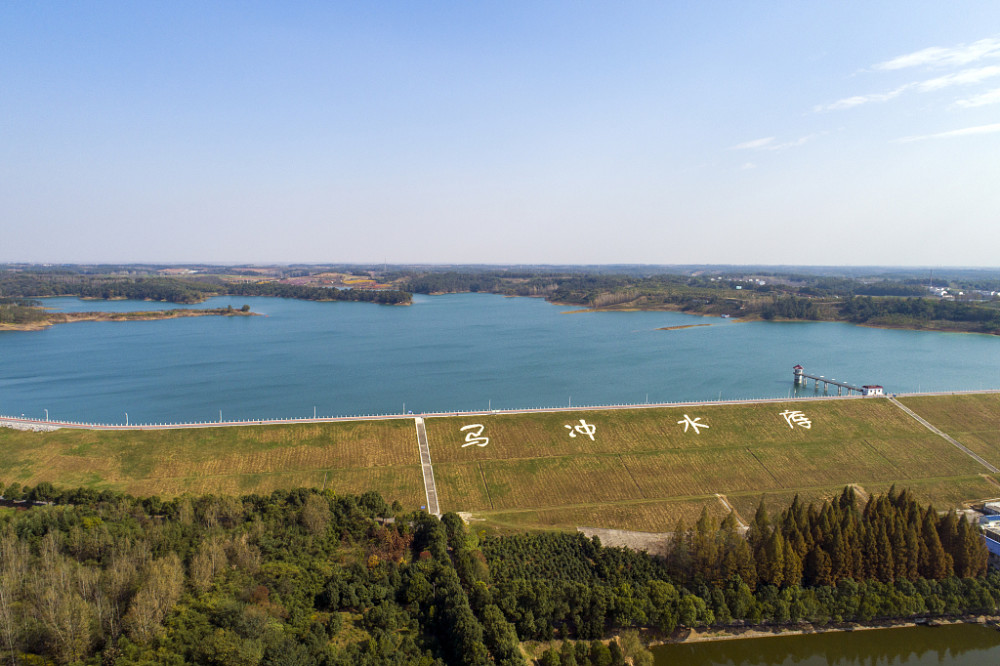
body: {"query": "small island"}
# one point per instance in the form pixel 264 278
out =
pixel 24 316
pixel 678 328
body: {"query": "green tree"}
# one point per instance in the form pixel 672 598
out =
pixel 567 654
pixel 550 658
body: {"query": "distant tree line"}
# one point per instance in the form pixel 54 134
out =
pixel 789 307
pixel 177 290
pixel 902 310
pixel 173 290
pixel 452 282
pixel 307 293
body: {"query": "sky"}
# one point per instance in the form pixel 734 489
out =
pixel 810 133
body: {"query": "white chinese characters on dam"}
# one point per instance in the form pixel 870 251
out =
pixel 694 423
pixel 586 429
pixel 474 435
pixel 794 417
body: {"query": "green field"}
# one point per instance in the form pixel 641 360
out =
pixel 639 470
pixel 642 470
pixel 347 457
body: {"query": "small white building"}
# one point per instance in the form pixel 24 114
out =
pixel 872 390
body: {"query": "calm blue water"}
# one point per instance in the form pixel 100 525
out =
pixel 455 352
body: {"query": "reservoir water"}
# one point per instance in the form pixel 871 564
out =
pixel 953 645
pixel 454 352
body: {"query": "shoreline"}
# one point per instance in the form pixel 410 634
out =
pixel 662 307
pixel 925 329
pixel 757 318
pixel 653 639
pixel 714 634
pixel 743 318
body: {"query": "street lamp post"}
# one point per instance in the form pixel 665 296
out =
pixel 126 418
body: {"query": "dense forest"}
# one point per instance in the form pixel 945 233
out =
pixel 306 293
pixel 20 311
pixel 904 311
pixel 309 577
pixel 173 290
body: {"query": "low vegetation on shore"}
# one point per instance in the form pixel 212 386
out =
pixel 319 578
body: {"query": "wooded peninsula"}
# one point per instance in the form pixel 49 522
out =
pixel 19 316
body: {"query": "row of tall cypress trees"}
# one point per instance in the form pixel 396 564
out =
pixel 891 537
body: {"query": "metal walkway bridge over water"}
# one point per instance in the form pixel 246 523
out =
pixel 802 379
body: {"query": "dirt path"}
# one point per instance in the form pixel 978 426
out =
pixel 654 543
pixel 729 509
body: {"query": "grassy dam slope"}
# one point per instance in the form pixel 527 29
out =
pixel 640 469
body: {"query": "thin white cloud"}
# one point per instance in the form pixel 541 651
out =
pixel 858 100
pixel 963 78
pixel 967 131
pixel 768 143
pixel 748 165
pixel 937 56
pixel 983 99
pixel 756 144
pixel 796 143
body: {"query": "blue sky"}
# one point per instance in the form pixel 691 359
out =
pixel 501 132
